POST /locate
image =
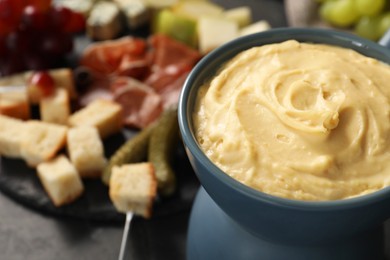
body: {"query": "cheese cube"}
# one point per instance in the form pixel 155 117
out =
pixel 60 180
pixel 215 31
pixel 241 15
pixel 256 27
pixel 136 12
pixel 104 21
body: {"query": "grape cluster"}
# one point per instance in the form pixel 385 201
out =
pixel 35 34
pixel 367 18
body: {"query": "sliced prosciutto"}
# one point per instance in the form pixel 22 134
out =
pixel 167 52
pixel 141 104
pixel 144 76
pixel 170 94
pixel 99 89
pixel 172 61
pixel 105 57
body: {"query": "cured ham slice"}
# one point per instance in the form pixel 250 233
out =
pixel 144 76
pixel 170 94
pixel 141 104
pixel 172 62
pixel 105 57
pixel 99 89
pixel 134 66
pixel 167 52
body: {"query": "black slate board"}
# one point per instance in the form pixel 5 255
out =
pixel 21 183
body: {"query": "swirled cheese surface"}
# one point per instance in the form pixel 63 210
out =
pixel 299 120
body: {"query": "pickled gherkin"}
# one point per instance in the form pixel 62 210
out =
pixel 162 144
pixel 133 150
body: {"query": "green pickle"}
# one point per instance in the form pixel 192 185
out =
pixel 162 145
pixel 132 151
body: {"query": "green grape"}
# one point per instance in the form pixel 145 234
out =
pixel 326 11
pixel 368 27
pixel 370 7
pixel 384 23
pixel 340 13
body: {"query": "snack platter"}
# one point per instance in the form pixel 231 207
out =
pixel 21 183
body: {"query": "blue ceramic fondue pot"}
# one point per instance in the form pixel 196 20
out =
pixel 232 221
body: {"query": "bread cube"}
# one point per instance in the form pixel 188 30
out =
pixel 11 133
pixel 133 188
pixel 105 115
pixel 42 141
pixel 86 151
pixel 15 104
pixel 60 180
pixel 63 78
pixel 56 107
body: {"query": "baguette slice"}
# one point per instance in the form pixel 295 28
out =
pixel 56 107
pixel 105 115
pixel 11 133
pixel 60 180
pixel 133 187
pixel 41 141
pixel 86 151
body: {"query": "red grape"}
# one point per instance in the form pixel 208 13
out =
pixel 18 41
pixel 36 61
pixel 5 28
pixel 34 19
pixel 10 12
pixel 43 81
pixel 76 23
pixel 41 5
pixel 3 46
pixel 12 64
pixel 59 17
pixel 35 35
pixel 56 43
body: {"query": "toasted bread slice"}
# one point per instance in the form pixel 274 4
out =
pixel 86 151
pixel 11 134
pixel 133 187
pixel 105 115
pixel 42 141
pixel 56 107
pixel 60 180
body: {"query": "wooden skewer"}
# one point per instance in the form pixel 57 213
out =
pixel 129 216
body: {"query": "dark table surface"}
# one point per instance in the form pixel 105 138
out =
pixel 27 233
